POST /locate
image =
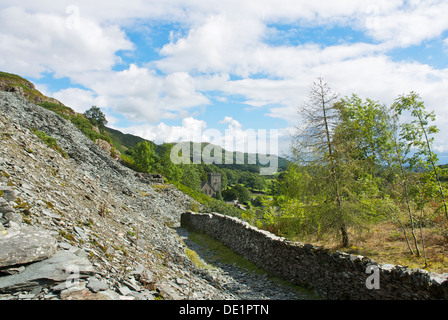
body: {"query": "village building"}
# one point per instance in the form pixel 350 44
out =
pixel 212 185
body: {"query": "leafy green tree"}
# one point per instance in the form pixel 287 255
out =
pixel 417 135
pixel 237 192
pixel 218 195
pixel 144 156
pixel 257 202
pixel 257 182
pixel 339 153
pixel 243 193
pixel 229 194
pixel 165 166
pixel 96 117
pixel 191 176
pixel 364 132
pixel 224 180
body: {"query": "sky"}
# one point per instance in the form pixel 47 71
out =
pixel 164 69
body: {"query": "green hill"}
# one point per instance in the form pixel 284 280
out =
pixel 13 83
pixel 240 161
pixel 122 141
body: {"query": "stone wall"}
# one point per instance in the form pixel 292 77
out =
pixel 333 275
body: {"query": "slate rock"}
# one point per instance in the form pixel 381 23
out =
pixel 85 294
pixel 24 246
pixel 62 266
pixel 124 290
pixel 13 217
pixel 4 206
pixel 8 193
pixel 97 285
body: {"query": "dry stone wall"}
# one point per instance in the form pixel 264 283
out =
pixel 333 275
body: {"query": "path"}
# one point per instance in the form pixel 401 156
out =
pixel 242 283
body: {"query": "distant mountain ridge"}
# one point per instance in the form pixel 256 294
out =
pixel 240 160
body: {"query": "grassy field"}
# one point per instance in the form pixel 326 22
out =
pixel 385 243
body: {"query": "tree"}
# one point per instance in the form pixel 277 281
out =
pixel 363 143
pixel 218 195
pixel 243 193
pixel 191 177
pixel 144 156
pixel 417 162
pixel 257 202
pixel 229 194
pixel 364 132
pixel 96 117
pixel 237 192
pixel 417 135
pixel 255 181
pixel 313 147
pixel 165 166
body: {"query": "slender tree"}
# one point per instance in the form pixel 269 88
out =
pixel 417 135
pixel 314 148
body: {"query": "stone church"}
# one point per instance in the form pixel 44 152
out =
pixel 212 185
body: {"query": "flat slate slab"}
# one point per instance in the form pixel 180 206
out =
pixel 23 246
pixel 62 266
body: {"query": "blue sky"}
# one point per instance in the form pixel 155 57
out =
pixel 160 69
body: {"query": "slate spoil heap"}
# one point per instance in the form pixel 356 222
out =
pixel 84 227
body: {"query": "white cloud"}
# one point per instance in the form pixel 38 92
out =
pixel 32 43
pixel 445 44
pixel 222 53
pixel 190 130
pixel 137 93
pixel 79 100
pixel 180 92
pixel 233 124
pixel 409 24
pixel 218 45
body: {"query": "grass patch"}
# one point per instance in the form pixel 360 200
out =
pixel 223 253
pixel 385 243
pixel 50 142
pixel 79 120
pixel 11 80
pixel 61 110
pixel 193 256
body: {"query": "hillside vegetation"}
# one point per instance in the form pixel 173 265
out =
pixel 364 178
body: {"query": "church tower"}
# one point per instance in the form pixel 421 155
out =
pixel 214 179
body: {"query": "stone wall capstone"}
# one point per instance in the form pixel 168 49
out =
pixel 334 275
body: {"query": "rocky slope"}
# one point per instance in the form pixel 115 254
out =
pixel 84 227
pixel 85 221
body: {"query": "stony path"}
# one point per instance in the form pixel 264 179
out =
pixel 239 282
